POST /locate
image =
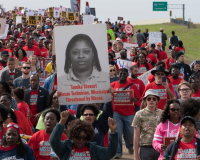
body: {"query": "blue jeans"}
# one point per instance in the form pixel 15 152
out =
pixel 124 128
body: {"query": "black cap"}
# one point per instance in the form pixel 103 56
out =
pixel 188 118
pixel 161 69
pixel 4 53
pixel 178 54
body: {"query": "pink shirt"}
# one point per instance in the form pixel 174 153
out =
pixel 167 129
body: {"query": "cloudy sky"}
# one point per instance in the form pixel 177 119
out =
pixel 133 10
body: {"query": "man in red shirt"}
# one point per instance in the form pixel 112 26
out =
pixel 159 56
pixel 164 89
pixel 170 60
pixel 175 80
pixel 124 114
pixel 42 49
pixel 32 50
pixel 133 70
pixel 4 59
pixel 162 53
pixel 11 49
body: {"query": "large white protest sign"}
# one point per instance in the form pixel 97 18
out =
pixel 18 19
pixel 2 25
pixel 155 37
pixel 29 14
pixel 41 12
pixel 56 12
pixel 82 64
pixel 144 77
pixel 4 35
pixel 88 19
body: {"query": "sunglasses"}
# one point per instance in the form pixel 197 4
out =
pixel 79 138
pixel 89 114
pixel 123 74
pixel 158 74
pixel 13 125
pixel 173 109
pixel 112 70
pixel 153 98
pixel 186 90
pixel 26 67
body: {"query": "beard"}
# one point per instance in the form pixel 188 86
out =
pixel 25 73
pixel 134 76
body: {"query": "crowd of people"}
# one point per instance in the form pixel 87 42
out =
pixel 162 122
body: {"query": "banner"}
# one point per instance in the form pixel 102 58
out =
pixel 2 25
pixel 123 97
pixel 56 12
pixel 124 64
pixel 73 16
pixel 50 9
pixel 83 73
pixel 63 14
pixel 155 37
pixel 35 20
pixel 93 11
pixel 120 18
pixel 87 9
pixel 88 19
pixel 75 5
pixel 144 77
pixel 128 28
pixel 41 13
pixel 4 35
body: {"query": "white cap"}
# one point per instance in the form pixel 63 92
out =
pixel 152 92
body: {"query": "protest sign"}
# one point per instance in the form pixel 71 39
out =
pixel 144 77
pixel 21 8
pixel 23 18
pixel 124 63
pixel 88 19
pixel 88 43
pixel 75 5
pixel 110 31
pixel 87 9
pixel 4 35
pixel 50 14
pixel 56 12
pixel 93 11
pixel 14 17
pixel 155 37
pixel 50 9
pixel 120 18
pixel 128 28
pixel 35 20
pixel 63 14
pixel 68 9
pixel 29 14
pixel 14 12
pixel 2 25
pixel 123 97
pixel 73 16
pixel 19 19
pixel 41 13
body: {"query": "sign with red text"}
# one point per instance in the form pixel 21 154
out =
pixel 128 28
pixel 123 97
pixel 82 69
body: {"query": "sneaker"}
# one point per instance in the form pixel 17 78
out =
pixel 130 151
pixel 117 156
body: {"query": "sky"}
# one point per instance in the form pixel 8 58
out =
pixel 133 10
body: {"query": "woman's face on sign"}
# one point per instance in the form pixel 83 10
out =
pixel 81 56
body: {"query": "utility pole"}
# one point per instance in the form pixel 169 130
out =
pixel 183 12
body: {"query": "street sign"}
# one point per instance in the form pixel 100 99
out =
pixel 159 6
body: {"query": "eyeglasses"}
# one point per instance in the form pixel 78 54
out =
pixel 26 67
pixel 153 98
pixel 13 125
pixel 79 138
pixel 89 114
pixel 185 90
pixel 112 70
pixel 174 109
pixel 158 74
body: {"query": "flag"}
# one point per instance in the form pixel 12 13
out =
pixel 87 9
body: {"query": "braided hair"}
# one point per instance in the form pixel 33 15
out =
pixel 145 61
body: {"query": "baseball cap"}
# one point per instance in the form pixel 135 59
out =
pixel 151 92
pixel 118 39
pixel 188 118
pixel 4 53
pixel 158 44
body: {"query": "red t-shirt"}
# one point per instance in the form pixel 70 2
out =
pixel 39 142
pixel 140 86
pixel 196 94
pixel 162 93
pixel 21 61
pixel 186 150
pixel 128 109
pixel 143 45
pixel 43 52
pixel 151 58
pixel 34 43
pixel 175 82
pixel 10 52
pixel 32 51
pixel 180 49
pixel 24 108
pixel 162 55
pixel 23 123
pixel 33 105
pixel 55 83
pixel 169 62
pixel 143 69
pixel 12 75
pixel 83 153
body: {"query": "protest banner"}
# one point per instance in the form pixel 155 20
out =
pixel 87 9
pixel 144 77
pixel 73 16
pixel 35 20
pixel 21 8
pixel 123 97
pixel 14 12
pixel 25 138
pixel 56 12
pixel 155 37
pixel 128 28
pixel 50 14
pixel 29 14
pixel 23 18
pixel 2 25
pixel 50 9
pixel 93 11
pixel 75 5
pixel 88 19
pixel 19 19
pixel 75 85
pixel 4 35
pixel 63 14
pixel 120 18
pixel 124 63
pixel 41 13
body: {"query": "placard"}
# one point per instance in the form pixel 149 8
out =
pixel 123 97
pixel 93 11
pixel 29 14
pixel 128 28
pixel 4 35
pixel 2 25
pixel 50 9
pixel 41 13
pixel 120 18
pixel 124 64
pixel 21 8
pixel 23 18
pixel 56 12
pixel 88 19
pixel 155 37
pixel 63 14
pixel 73 16
pixel 19 19
pixel 82 69
pixel 144 77
pixel 75 5
pixel 35 20
pixel 50 14
pixel 168 140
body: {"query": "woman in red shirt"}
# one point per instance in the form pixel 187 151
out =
pixel 180 47
pixel 39 142
pixel 21 55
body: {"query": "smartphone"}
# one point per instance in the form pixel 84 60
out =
pixel 164 79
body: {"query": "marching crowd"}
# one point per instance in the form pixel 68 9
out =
pixel 162 123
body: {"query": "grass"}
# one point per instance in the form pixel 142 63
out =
pixel 189 37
